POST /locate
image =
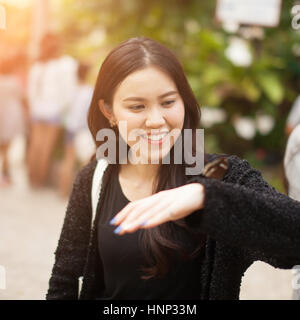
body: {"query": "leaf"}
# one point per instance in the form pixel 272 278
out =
pixel 250 90
pixel 271 86
pixel 213 74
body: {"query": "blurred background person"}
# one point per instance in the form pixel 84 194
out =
pixel 22 64
pixel 292 163
pixel 293 118
pixel 11 113
pixel 292 173
pixel 51 88
pixel 75 128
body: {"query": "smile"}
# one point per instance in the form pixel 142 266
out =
pixel 155 139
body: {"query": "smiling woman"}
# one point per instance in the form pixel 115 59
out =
pixel 151 111
pixel 149 92
pixel 159 233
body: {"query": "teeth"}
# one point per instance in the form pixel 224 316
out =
pixel 154 137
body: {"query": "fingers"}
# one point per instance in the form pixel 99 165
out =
pixel 165 215
pixel 123 213
pixel 140 219
pixel 135 214
pixel 159 208
pixel 140 205
pixel 129 214
pixel 137 217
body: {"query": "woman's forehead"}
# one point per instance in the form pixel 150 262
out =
pixel 145 83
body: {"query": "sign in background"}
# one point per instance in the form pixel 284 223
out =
pixel 255 12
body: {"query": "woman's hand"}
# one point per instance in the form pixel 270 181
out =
pixel 166 205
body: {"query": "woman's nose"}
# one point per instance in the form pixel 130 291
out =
pixel 154 118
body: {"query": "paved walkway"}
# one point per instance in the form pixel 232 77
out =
pixel 30 227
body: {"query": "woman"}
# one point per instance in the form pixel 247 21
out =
pixel 159 233
pixel 51 86
pixel 75 124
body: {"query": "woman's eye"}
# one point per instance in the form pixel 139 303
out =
pixel 136 107
pixel 142 106
pixel 168 102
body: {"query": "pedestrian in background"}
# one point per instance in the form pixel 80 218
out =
pixel 11 113
pixel 292 174
pixel 293 118
pixel 292 163
pixel 52 85
pixel 75 124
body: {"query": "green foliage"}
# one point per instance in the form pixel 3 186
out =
pixel 269 85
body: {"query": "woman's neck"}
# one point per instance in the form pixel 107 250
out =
pixel 140 173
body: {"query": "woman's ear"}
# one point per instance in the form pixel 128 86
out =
pixel 104 108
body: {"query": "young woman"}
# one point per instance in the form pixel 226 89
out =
pixel 159 233
pixel 75 124
pixel 52 84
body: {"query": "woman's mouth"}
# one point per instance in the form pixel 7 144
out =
pixel 155 138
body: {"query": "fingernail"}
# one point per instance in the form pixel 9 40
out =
pixel 112 221
pixel 144 223
pixel 117 230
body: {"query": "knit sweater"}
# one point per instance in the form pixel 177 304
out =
pixel 244 220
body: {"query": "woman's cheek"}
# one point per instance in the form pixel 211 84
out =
pixel 176 116
pixel 130 130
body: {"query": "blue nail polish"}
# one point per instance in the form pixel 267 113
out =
pixel 117 230
pixel 112 221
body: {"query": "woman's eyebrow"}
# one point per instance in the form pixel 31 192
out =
pixel 142 99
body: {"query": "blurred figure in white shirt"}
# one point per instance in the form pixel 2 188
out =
pixel 292 163
pixel 294 117
pixel 52 84
pixel 292 174
pixel 76 128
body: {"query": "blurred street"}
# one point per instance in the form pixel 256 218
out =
pixel 30 226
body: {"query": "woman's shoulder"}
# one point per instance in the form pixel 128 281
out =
pixel 85 174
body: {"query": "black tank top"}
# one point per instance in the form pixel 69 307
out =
pixel 122 257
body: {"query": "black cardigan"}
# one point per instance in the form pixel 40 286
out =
pixel 244 219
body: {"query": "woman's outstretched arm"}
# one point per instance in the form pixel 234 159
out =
pixel 244 210
pixel 72 245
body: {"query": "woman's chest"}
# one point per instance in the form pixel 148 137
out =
pixel 134 192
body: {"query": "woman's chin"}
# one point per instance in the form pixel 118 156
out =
pixel 156 158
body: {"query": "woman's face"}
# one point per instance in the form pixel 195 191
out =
pixel 149 102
